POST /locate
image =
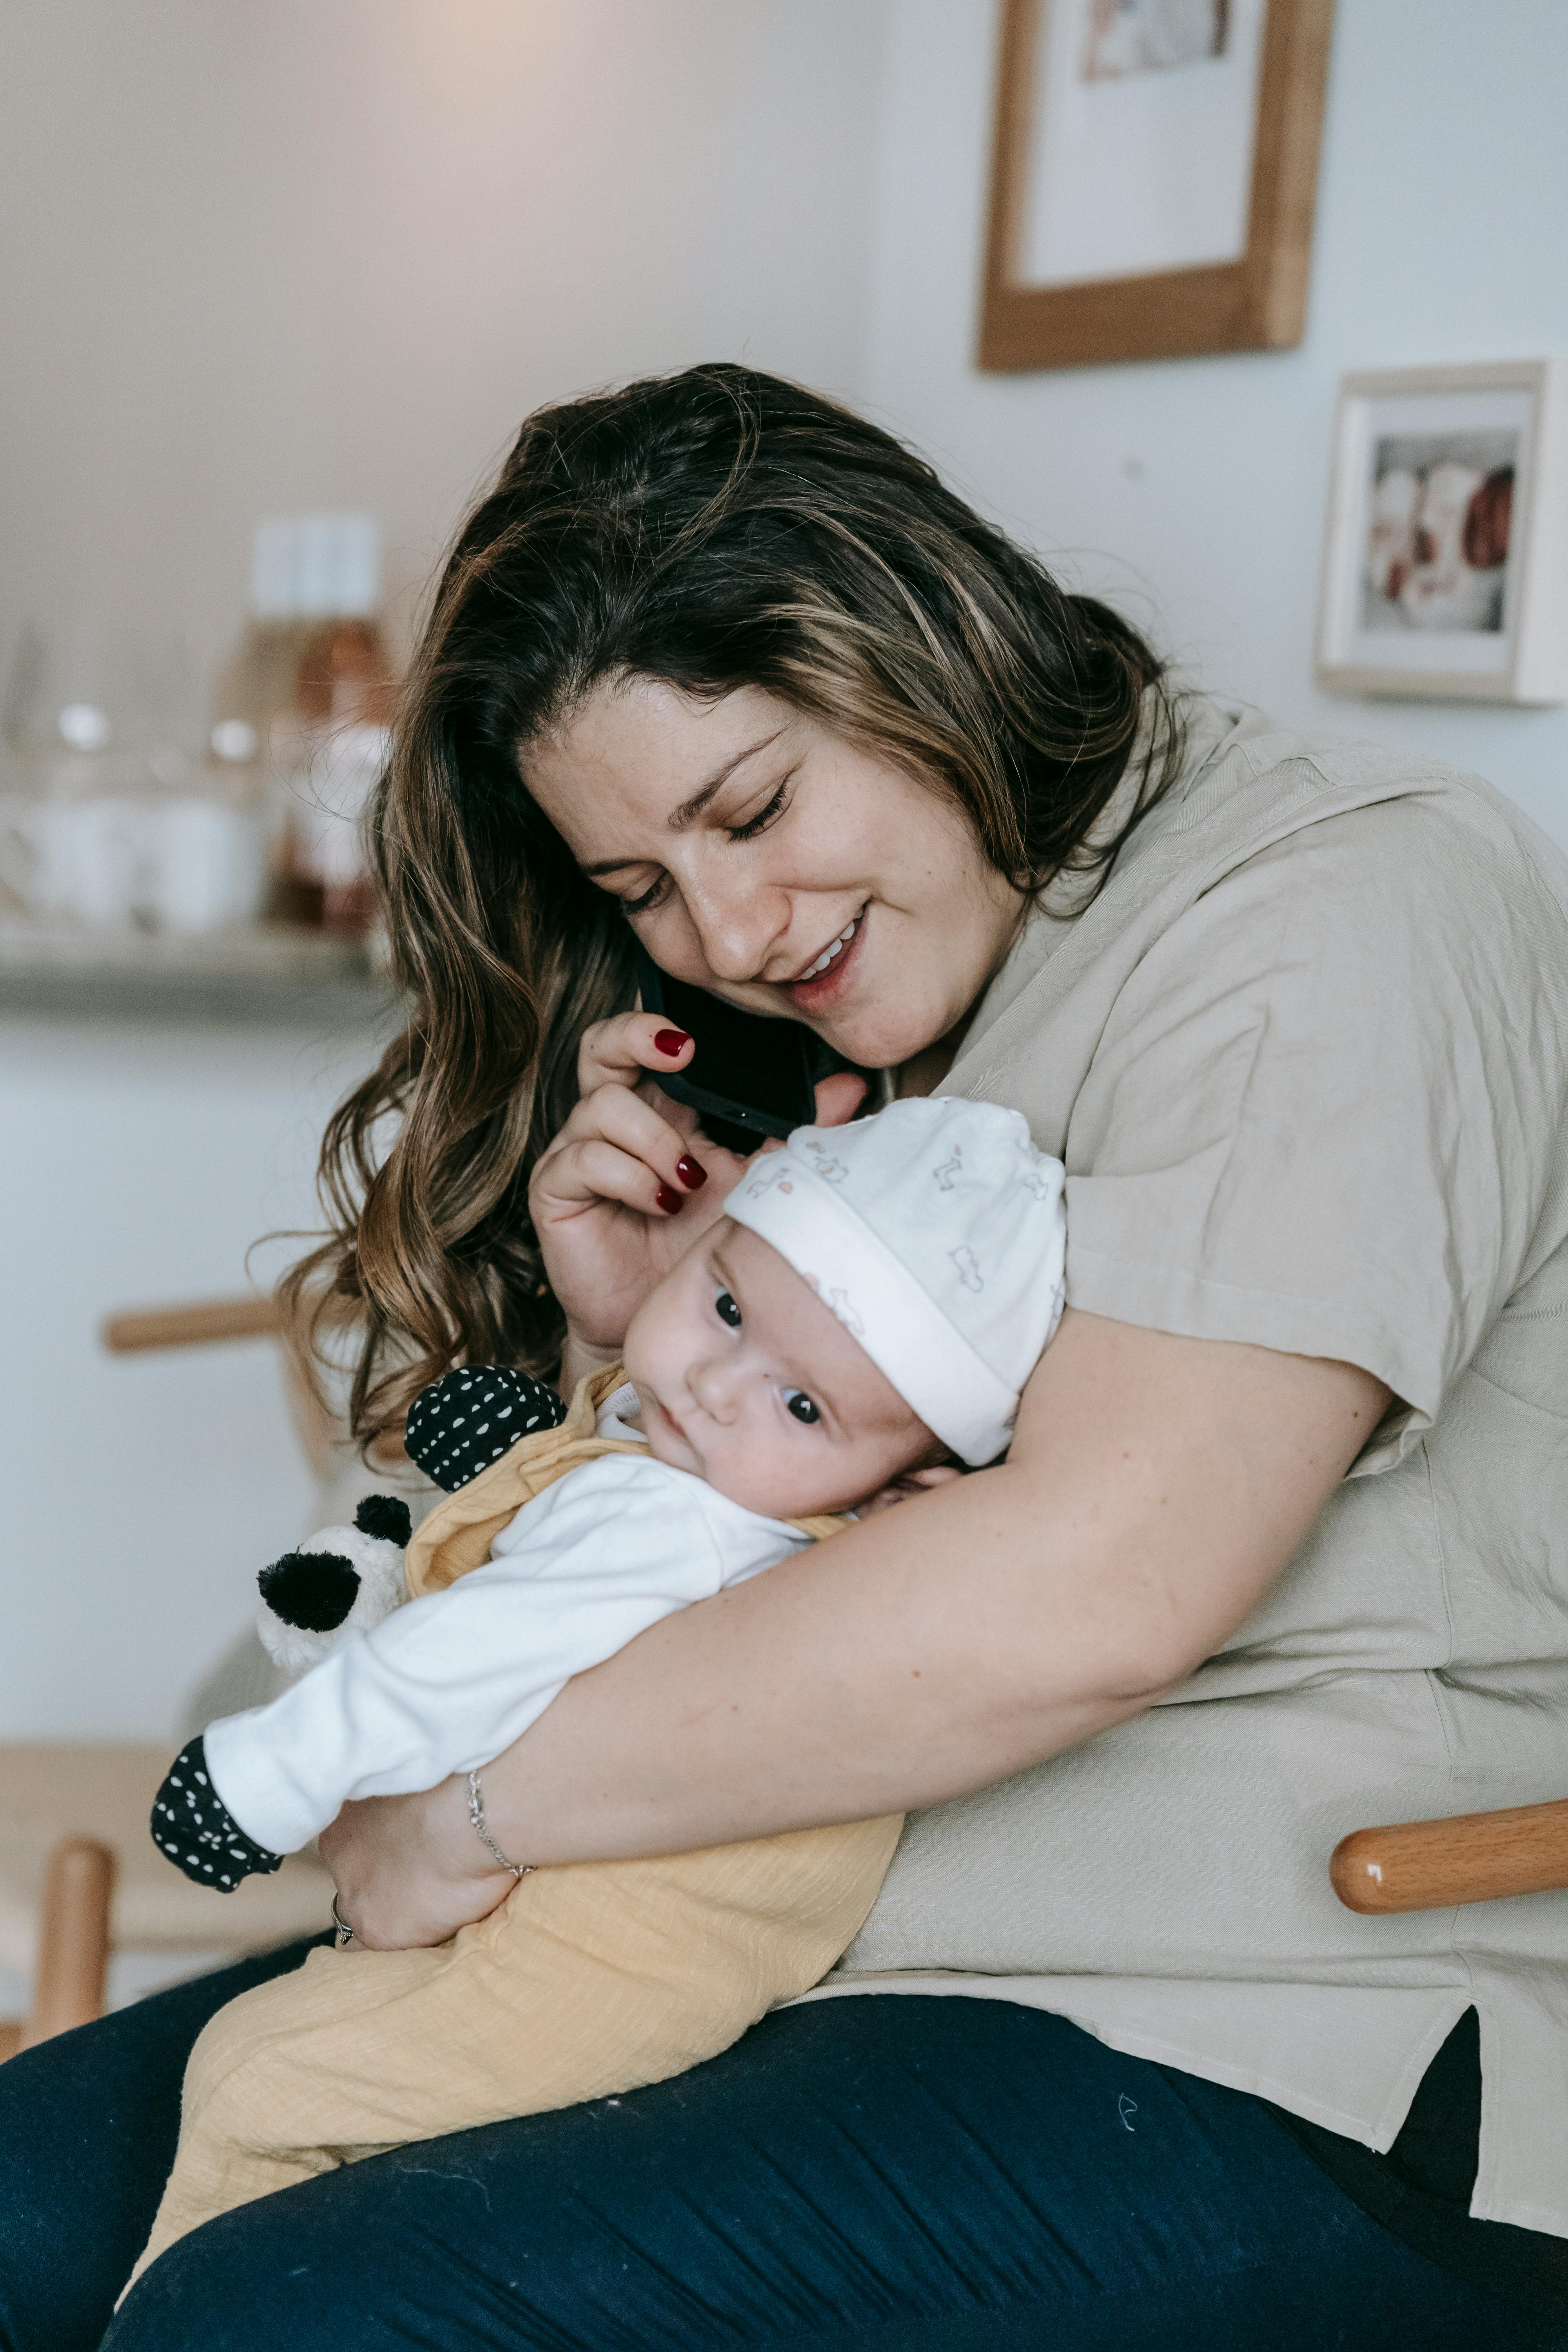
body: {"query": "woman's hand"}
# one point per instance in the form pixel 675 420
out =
pixel 627 1184
pixel 631 1181
pixel 410 1870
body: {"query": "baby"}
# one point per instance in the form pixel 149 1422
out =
pixel 867 1309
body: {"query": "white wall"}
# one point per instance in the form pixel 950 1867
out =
pixel 1192 490
pixel 318 253
pixel 140 1493
pixel 327 252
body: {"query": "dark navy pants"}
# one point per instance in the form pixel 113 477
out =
pixel 891 2174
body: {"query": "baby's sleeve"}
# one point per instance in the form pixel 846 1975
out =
pixel 445 1684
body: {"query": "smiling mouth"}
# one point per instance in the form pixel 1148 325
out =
pixel 672 1423
pixel 829 956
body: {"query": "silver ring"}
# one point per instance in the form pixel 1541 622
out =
pixel 344 1933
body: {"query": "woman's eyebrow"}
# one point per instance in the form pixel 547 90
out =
pixel 689 811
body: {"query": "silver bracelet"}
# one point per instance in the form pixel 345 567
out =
pixel 482 1830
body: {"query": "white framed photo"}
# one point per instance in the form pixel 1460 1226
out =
pixel 1446 558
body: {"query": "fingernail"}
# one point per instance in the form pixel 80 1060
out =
pixel 690 1174
pixel 671 1041
pixel 669 1200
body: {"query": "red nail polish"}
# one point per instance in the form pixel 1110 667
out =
pixel 690 1173
pixel 668 1199
pixel 671 1041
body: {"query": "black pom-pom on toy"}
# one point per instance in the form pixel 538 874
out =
pixel 386 1515
pixel 464 1422
pixel 315 1589
pixel 193 1826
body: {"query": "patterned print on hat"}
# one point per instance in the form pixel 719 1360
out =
pixel 935 1230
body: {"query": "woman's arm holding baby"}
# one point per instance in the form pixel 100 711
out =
pixel 1156 1487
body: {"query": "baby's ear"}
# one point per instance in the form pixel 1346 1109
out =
pixel 912 1481
pixel 935 1473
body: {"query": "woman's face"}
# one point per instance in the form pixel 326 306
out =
pixel 763 857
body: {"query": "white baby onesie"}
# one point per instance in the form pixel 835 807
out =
pixel 446 1683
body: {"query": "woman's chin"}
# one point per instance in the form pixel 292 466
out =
pixel 871 1015
pixel 882 1031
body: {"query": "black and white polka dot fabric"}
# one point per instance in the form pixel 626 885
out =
pixel 193 1826
pixel 463 1422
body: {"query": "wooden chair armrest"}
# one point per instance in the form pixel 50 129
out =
pixel 73 1941
pixel 1471 1858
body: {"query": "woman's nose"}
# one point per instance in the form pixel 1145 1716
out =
pixel 737 929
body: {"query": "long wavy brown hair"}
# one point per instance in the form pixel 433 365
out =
pixel 712 529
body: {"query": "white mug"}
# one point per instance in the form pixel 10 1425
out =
pixel 80 858
pixel 206 864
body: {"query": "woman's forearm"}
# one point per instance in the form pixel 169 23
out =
pixel 1156 1487
pixel 855 1680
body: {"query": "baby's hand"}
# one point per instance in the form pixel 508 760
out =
pixel 193 1826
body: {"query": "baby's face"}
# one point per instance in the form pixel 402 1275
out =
pixel 745 1379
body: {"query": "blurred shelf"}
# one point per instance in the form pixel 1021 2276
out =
pixel 264 972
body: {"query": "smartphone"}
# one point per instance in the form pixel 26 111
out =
pixel 750 1077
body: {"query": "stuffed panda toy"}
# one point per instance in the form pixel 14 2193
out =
pixel 346 1579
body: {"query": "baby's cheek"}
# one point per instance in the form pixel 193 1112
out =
pixel 755 1472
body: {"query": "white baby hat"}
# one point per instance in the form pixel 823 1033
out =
pixel 935 1232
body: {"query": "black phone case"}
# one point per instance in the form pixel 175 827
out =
pixel 734 1051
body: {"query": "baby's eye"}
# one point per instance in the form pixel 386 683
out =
pixel 800 1405
pixel 727 1311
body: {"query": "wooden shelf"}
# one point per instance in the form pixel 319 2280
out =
pixel 267 972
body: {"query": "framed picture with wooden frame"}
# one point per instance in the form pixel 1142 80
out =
pixel 1152 178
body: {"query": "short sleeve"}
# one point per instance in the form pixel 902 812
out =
pixel 1323 1114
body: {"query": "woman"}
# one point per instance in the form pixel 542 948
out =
pixel 723 669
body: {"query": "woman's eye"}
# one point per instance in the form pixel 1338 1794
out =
pixel 651 898
pixel 764 818
pixel 800 1405
pixel 727 1311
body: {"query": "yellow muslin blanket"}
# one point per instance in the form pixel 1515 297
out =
pixel 589 1978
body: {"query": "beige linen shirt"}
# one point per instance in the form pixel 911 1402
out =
pixel 1306 1059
